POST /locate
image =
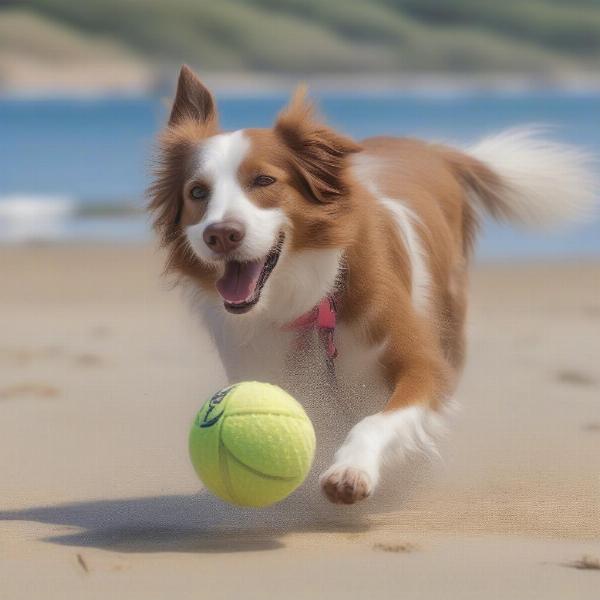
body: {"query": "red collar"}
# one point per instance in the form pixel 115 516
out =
pixel 323 318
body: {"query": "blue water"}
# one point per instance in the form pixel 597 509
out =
pixel 100 151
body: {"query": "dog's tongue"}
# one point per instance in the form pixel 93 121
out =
pixel 239 281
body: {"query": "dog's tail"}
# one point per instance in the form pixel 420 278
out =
pixel 521 177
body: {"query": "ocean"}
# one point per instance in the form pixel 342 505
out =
pixel 76 169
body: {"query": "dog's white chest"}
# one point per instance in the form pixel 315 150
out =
pixel 355 386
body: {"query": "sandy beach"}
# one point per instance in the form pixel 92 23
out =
pixel 102 369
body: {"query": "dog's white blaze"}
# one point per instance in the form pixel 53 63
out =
pixel 366 167
pixel 387 436
pixel 420 278
pixel 219 160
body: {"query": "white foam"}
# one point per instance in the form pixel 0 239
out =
pixel 29 217
pixel 27 207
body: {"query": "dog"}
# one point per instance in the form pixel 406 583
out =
pixel 322 263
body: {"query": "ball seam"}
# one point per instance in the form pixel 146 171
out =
pixel 255 471
pixel 224 470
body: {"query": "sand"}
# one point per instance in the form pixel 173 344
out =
pixel 102 368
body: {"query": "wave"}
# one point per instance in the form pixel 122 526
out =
pixel 25 207
pixel 52 218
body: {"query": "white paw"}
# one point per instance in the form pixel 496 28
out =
pixel 344 484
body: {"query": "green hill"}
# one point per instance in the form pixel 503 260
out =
pixel 327 36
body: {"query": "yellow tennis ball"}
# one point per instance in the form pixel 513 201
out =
pixel 252 444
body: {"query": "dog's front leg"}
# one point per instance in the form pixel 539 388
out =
pixel 403 426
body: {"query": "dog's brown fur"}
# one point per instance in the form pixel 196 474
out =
pixel 393 219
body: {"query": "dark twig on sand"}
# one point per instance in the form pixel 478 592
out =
pixel 402 548
pixel 82 563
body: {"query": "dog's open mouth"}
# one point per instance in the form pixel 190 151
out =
pixel 242 282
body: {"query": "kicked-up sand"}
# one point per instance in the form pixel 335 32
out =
pixel 102 370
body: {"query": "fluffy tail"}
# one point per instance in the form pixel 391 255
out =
pixel 521 177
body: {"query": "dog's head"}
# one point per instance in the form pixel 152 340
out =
pixel 259 216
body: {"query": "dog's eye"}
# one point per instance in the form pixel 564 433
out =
pixel 264 180
pixel 199 192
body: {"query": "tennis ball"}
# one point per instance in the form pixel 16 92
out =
pixel 252 444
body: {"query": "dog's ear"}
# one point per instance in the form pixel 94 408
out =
pixel 192 100
pixel 318 153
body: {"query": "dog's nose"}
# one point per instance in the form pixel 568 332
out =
pixel 224 237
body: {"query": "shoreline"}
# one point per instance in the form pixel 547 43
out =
pixel 150 244
pixel 57 222
pixel 259 84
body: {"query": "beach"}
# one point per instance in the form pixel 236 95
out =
pixel 102 369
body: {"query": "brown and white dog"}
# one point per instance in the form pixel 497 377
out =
pixel 300 244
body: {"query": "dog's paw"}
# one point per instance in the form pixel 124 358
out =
pixel 345 485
